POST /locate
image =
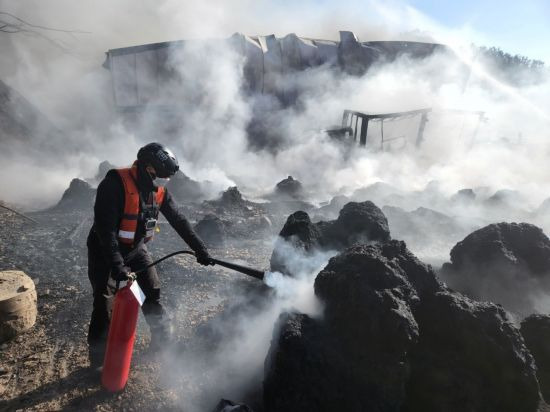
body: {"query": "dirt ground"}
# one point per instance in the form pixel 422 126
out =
pixel 46 368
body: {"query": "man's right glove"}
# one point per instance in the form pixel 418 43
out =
pixel 203 257
pixel 120 273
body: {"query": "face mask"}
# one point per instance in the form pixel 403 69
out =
pixel 159 181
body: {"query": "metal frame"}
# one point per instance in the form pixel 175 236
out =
pixel 361 128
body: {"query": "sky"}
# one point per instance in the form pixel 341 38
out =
pixel 517 27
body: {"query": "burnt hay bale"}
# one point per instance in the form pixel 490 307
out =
pixel 506 263
pixel 360 223
pixel 469 357
pixel 103 169
pixel 211 230
pixel 394 338
pixel 184 189
pixel 536 332
pixel 78 196
pixel 289 188
pixel 299 233
pixel 356 357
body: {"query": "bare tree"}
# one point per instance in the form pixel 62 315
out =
pixel 11 24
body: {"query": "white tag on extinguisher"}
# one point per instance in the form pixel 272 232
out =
pixel 137 292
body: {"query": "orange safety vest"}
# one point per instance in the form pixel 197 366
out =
pixel 128 224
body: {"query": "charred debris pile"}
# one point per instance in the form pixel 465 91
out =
pixel 394 337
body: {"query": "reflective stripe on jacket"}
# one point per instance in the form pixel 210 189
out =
pixel 129 222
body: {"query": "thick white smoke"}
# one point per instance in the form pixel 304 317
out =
pixel 201 375
pixel 69 86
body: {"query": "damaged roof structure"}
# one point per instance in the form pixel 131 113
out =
pixel 142 75
pixel 162 77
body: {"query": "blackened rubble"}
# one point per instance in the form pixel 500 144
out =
pixel 394 338
pixel 232 202
pixel 288 196
pixel 211 230
pixel 185 189
pixel 103 168
pixel 78 196
pixel 241 218
pixel 333 207
pixel 506 263
pixel 289 188
pixel 536 333
pixel 357 223
pixel 464 196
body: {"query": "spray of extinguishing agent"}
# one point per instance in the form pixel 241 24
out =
pixel 122 331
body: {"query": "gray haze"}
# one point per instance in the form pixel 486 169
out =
pixel 66 82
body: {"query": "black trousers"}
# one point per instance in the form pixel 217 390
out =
pixel 98 272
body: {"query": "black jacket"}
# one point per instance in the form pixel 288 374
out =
pixel 108 211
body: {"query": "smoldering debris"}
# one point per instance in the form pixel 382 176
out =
pixel 357 222
pixel 79 196
pixel 426 231
pixel 505 263
pixel 229 406
pixel 102 170
pixel 535 330
pixel 375 287
pixel 394 338
pixel 186 190
pixel 421 328
pixel 211 230
pixel 231 202
pixel 22 122
pixel 289 188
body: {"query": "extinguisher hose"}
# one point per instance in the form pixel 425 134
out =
pixel 258 274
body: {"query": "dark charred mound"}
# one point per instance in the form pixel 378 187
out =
pixel 232 202
pixel 287 197
pixel 507 203
pixel 428 232
pixel 333 208
pixel 422 221
pixel 464 196
pixel 504 198
pixel 211 230
pixel 24 127
pixel 536 333
pixel 357 223
pixel 228 406
pixel 544 208
pixel 469 357
pixel 185 189
pixel 378 192
pixel 102 170
pixel 356 358
pixel 282 208
pixel 393 338
pixel 78 196
pixel 289 188
pixel 503 263
pixel 299 234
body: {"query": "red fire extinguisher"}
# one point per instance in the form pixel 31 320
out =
pixel 122 333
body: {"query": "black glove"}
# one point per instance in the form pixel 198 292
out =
pixel 203 257
pixel 120 273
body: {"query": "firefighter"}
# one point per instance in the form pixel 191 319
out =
pixel 126 210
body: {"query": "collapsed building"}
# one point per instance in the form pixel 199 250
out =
pixel 143 75
pixel 151 78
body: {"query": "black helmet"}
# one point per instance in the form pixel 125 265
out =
pixel 160 157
